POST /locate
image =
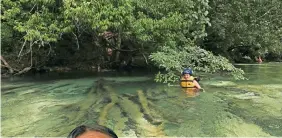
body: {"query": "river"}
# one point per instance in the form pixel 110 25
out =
pixel 53 105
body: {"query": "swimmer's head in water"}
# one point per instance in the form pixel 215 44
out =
pixel 187 71
pixel 96 131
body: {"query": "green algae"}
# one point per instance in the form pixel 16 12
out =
pixel 230 127
pixel 227 108
pixel 219 83
pixel 113 97
pixel 260 108
pixel 117 121
pixel 128 79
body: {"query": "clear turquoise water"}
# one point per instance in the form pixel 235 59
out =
pixel 136 106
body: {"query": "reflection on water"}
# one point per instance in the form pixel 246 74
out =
pixel 135 106
pixel 191 92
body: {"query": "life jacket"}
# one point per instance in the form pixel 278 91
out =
pixel 187 83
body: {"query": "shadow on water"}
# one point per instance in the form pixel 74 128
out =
pixel 136 106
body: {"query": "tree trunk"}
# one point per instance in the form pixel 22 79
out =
pixel 23 71
pixel 118 47
pixel 7 65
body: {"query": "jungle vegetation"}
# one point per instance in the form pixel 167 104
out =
pixel 207 36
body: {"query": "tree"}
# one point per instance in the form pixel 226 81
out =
pixel 244 28
pixel 33 23
pixel 158 30
pixel 172 29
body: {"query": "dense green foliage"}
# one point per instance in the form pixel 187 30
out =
pixel 171 34
pixel 245 28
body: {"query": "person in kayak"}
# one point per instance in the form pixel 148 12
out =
pixel 188 81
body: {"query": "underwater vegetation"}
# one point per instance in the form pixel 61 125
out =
pixel 258 104
pixel 133 107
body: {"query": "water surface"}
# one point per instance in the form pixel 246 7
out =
pixel 136 106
